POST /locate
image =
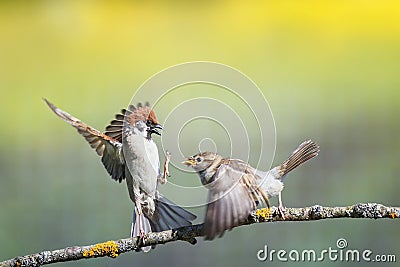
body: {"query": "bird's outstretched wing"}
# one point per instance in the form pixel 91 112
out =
pixel 233 194
pixel 114 129
pixel 108 148
pixel 128 116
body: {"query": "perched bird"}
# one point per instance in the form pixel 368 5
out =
pixel 128 151
pixel 236 188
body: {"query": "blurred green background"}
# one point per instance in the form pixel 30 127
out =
pixel 329 69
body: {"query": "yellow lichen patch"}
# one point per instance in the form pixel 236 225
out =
pixel 264 213
pixel 109 248
pixel 393 215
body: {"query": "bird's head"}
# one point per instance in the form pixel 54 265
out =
pixel 144 119
pixel 201 161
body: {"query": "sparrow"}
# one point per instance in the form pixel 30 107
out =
pixel 128 152
pixel 236 188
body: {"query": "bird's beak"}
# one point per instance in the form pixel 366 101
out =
pixel 189 162
pixel 153 129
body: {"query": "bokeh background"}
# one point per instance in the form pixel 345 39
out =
pixel 329 69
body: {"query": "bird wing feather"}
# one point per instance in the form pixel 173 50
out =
pixel 114 129
pixel 108 148
pixel 230 199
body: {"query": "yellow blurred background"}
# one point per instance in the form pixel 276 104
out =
pixel 329 69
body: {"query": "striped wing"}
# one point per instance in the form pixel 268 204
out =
pixel 114 129
pixel 232 196
pixel 108 148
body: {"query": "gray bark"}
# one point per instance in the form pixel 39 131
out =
pixel 189 233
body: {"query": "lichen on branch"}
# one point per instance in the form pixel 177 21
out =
pixel 189 233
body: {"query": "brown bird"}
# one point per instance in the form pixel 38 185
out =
pixel 128 151
pixel 236 188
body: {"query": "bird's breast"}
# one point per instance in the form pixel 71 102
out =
pixel 141 158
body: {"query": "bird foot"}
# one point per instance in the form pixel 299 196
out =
pixel 142 234
pixel 166 174
pixel 281 210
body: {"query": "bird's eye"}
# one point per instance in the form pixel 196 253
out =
pixel 148 122
pixel 198 159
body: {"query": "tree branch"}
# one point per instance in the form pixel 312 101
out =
pixel 189 233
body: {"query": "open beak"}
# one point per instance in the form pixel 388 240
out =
pixel 189 161
pixel 153 129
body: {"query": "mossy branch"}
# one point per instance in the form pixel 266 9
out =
pixel 114 248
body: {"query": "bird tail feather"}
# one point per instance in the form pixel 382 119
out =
pixel 138 222
pixel 304 152
pixel 168 215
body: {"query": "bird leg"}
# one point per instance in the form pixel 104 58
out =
pixel 139 211
pixel 281 209
pixel 141 231
pixel 163 178
pixel 265 197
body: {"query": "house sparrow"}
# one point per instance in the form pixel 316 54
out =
pixel 236 188
pixel 128 151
